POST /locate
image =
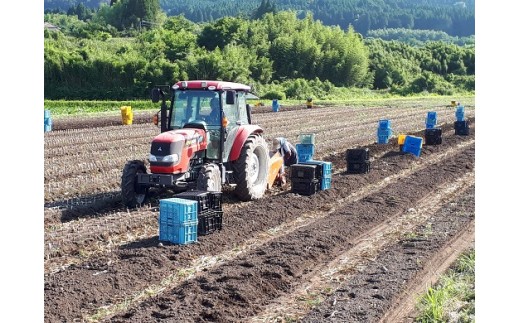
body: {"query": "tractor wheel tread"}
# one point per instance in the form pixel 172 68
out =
pixel 129 191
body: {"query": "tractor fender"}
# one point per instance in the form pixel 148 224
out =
pixel 242 134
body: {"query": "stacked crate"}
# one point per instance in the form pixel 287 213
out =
pixel 305 179
pixel 305 149
pixel 309 176
pixel 209 210
pixel 384 131
pixel 323 173
pixel 178 220
pixel 358 161
pixel 432 134
pixel 461 125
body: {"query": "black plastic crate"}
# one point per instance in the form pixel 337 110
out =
pixel 433 136
pixel 461 128
pixel 319 167
pixel 209 222
pixel 305 171
pixel 203 197
pixel 358 155
pixel 305 186
pixel 215 201
pixel 358 168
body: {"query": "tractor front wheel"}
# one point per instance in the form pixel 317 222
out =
pixel 251 169
pixel 133 194
pixel 209 178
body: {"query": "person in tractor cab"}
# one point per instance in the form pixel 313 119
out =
pixel 289 154
pixel 214 116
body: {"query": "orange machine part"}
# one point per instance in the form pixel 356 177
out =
pixel 275 163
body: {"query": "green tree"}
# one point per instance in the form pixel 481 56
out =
pixel 224 31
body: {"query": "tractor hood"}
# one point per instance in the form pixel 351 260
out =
pixel 171 151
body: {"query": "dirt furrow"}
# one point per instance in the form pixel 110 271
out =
pixel 261 238
pixel 327 278
pixel 240 288
pixel 383 290
pixel 404 308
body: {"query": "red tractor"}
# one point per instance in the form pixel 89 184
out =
pixel 206 141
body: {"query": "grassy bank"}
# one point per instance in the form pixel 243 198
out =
pixel 452 299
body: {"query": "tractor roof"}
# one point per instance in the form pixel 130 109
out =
pixel 219 85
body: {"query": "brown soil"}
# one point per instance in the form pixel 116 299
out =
pixel 115 269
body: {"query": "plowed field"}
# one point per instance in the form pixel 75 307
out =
pixel 358 252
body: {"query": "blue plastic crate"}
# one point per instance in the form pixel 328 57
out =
pixel 383 139
pixel 307 138
pixel 47 127
pixel 327 169
pixel 431 120
pixel 413 145
pixel 384 124
pixel 325 183
pixel 178 233
pixel 459 113
pixel 304 158
pixel 305 152
pixel 430 123
pixel 275 106
pixel 385 132
pixel 177 211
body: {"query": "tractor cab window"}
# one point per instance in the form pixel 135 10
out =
pixel 242 108
pixel 195 106
pixel 199 106
pixel 232 113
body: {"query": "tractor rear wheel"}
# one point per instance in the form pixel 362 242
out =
pixel 251 169
pixel 133 194
pixel 209 178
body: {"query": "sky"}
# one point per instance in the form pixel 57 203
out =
pixel 497 214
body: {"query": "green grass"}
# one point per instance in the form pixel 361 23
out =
pixel 452 299
pixel 77 107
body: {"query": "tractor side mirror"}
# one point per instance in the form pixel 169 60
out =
pixel 156 94
pixel 230 97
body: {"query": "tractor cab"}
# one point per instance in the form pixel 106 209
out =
pixel 217 107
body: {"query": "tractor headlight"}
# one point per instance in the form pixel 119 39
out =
pixel 174 158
